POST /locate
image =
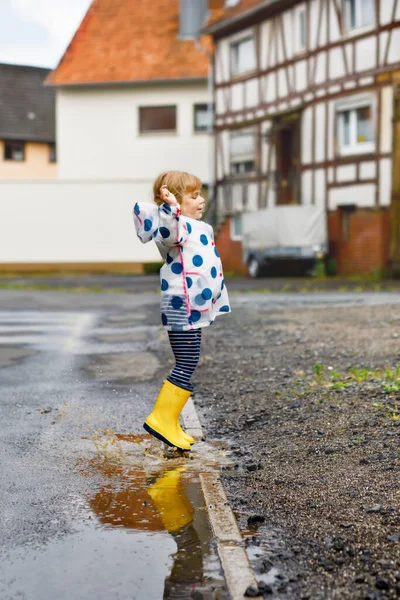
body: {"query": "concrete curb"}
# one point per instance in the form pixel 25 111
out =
pixel 235 563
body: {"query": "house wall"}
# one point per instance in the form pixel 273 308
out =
pixel 69 224
pixel 35 166
pixel 335 67
pixel 366 249
pixel 98 133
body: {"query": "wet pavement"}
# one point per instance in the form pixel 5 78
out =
pixel 92 508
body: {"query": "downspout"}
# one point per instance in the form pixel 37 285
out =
pixel 210 129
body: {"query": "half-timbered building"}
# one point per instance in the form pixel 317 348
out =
pixel 307 98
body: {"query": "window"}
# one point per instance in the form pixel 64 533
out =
pixel 356 129
pixel 300 37
pixel 242 151
pixel 52 153
pixel 240 168
pixel 14 151
pixel 243 56
pixel 358 13
pixel 202 117
pixel 157 119
pixel 236 227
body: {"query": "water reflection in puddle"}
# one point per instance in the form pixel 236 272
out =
pixel 147 490
pixel 142 534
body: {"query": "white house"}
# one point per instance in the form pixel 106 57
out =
pixel 133 94
pixel 307 114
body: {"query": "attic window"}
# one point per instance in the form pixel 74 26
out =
pixel 14 151
pixel 243 56
pixel 153 119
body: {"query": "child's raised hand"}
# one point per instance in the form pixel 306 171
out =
pixel 167 197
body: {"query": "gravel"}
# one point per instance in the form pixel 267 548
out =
pixel 312 423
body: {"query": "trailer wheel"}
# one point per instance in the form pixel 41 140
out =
pixel 254 268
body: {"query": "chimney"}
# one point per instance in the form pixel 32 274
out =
pixel 193 14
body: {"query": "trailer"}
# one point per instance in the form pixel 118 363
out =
pixel 283 233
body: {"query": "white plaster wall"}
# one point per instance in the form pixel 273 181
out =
pixel 386 9
pixel 282 83
pixel 320 132
pixel 306 188
pixel 394 47
pixel 301 75
pixel 252 196
pixel 336 63
pixel 320 69
pixel 366 53
pixel 367 170
pixel 251 93
pixel 98 133
pixel 306 136
pixel 72 222
pixel 346 173
pixel 385 187
pixel 237 96
pixel 361 195
pixel 319 186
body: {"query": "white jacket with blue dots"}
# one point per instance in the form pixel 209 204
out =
pixel 193 290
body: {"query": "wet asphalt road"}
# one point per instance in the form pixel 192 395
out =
pixel 71 367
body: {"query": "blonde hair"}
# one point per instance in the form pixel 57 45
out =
pixel 177 182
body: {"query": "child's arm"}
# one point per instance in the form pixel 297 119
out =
pixel 172 231
pixel 145 218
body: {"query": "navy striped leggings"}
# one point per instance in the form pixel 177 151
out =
pixel 186 348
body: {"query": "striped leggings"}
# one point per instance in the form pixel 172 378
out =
pixel 186 348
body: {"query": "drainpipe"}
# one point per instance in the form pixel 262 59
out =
pixel 210 128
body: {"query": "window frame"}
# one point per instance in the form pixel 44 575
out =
pixel 52 153
pixel 157 131
pixel 207 129
pixel 235 43
pixel 235 237
pixel 352 105
pixel 14 143
pixel 349 29
pixel 243 158
pixel 299 47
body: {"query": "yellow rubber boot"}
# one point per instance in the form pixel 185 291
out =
pixel 185 435
pixel 171 501
pixel 163 420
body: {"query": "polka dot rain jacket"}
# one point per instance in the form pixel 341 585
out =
pixel 193 290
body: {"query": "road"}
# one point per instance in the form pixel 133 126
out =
pixel 78 375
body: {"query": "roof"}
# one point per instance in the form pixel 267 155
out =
pixel 27 107
pixel 131 40
pixel 226 17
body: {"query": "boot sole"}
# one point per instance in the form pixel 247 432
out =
pixel 162 438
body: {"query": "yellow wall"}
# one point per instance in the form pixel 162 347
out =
pixel 35 166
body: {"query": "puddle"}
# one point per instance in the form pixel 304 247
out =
pixel 143 533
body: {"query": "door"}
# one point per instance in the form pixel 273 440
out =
pixel 287 159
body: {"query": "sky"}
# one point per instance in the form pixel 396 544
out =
pixel 36 32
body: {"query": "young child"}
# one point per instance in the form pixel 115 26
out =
pixel 193 290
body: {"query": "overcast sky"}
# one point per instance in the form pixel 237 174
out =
pixel 36 32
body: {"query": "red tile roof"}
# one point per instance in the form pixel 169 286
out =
pixel 130 40
pixel 224 15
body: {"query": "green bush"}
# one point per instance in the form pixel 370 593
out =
pixel 151 268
